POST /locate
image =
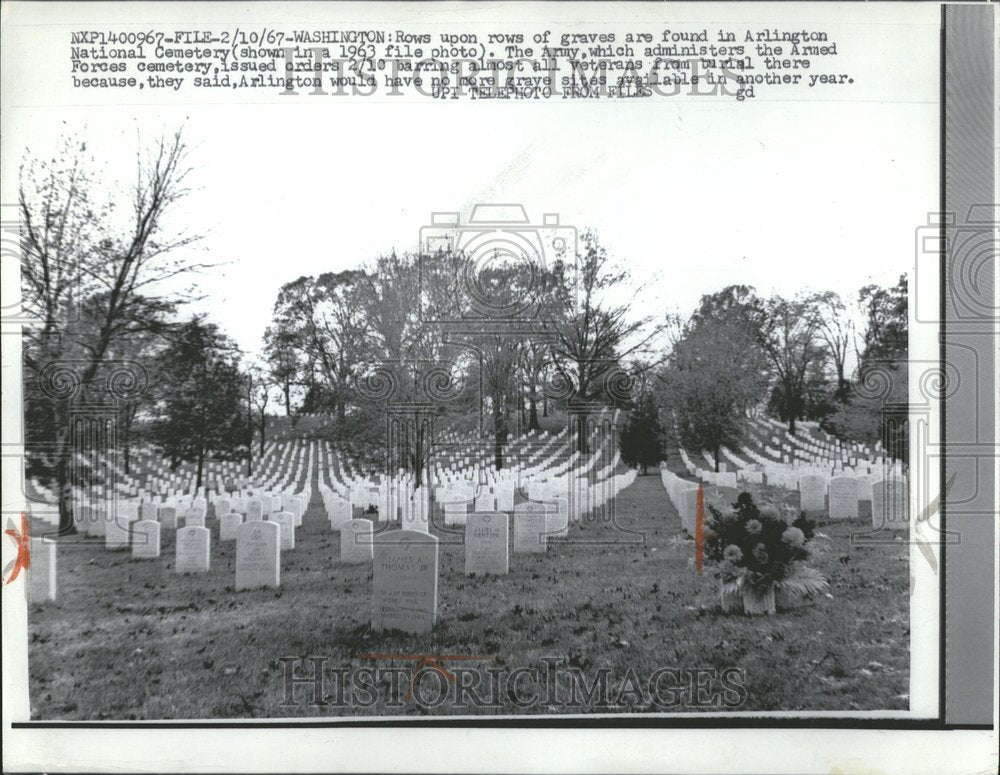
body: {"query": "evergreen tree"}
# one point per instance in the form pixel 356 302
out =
pixel 641 442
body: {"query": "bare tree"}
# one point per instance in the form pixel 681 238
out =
pixel 260 388
pixel 837 331
pixel 94 271
pixel 594 335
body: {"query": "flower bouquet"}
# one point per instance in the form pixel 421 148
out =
pixel 759 558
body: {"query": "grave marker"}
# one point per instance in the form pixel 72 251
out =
pixel 193 550
pixel 167 516
pixel 843 497
pixel 356 536
pixel 116 531
pixel 687 504
pixel 287 522
pixel 486 544
pixel 812 490
pixel 258 554
pixel 228 524
pixel 41 574
pixel 339 512
pixel 145 538
pixel 454 513
pixel 404 581
pixel 890 504
pixel 530 528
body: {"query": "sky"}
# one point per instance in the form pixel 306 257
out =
pixel 823 191
pixel 794 197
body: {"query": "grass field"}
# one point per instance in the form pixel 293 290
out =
pixel 130 639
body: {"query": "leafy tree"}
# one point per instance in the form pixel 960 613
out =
pixel 880 391
pixel 202 410
pixel 285 368
pixel 642 438
pixel 142 350
pixel 715 375
pixel 789 337
pixel 321 320
pixel 885 336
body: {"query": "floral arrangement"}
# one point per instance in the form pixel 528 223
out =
pixel 757 553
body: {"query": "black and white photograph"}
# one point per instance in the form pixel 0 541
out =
pixel 408 363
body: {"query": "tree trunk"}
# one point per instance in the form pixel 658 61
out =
pixel 582 444
pixel 791 422
pixel 499 437
pixel 66 525
pixel 341 410
pixel 716 458
pixel 418 462
pixel 263 429
pixel 533 424
pixel 201 464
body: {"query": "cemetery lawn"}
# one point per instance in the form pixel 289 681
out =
pixel 130 639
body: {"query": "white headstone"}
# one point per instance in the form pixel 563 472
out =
pixel 116 532
pixel 255 509
pixel 146 538
pixel 812 491
pixel 486 544
pixel 557 522
pixel 843 497
pixel 193 550
pixel 339 511
pixel 485 501
pixel 167 515
pixel 687 505
pixel 194 518
pixel 41 574
pixel 404 581
pixel 455 513
pixel 417 516
pixel 865 483
pixel 258 554
pixel 287 521
pixel 530 527
pixel 222 507
pixel 228 524
pixel 890 504
pixel 296 509
pixel 727 479
pixel 356 538
pixel 505 497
